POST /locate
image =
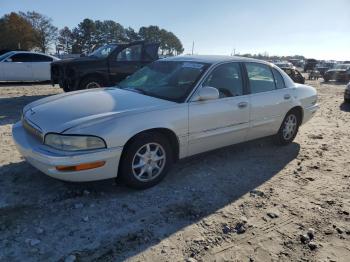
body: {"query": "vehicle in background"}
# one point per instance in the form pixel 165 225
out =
pixel 284 64
pixel 324 66
pixel 310 64
pixel 294 74
pixel 314 74
pixel 347 93
pixel 340 72
pixel 170 109
pixel 105 67
pixel 25 66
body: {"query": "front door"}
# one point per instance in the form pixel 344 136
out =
pixel 17 68
pixel 224 121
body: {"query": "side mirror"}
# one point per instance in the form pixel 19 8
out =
pixel 207 93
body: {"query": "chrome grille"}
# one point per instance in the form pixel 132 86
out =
pixel 32 130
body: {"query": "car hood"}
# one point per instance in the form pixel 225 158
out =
pixel 77 60
pixel 62 112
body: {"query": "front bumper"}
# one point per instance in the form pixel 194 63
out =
pixel 309 112
pixel 46 159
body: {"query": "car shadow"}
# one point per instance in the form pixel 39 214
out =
pixel 11 108
pixel 345 107
pixel 124 222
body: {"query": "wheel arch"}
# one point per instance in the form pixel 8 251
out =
pixel 166 132
pixel 92 75
pixel 299 110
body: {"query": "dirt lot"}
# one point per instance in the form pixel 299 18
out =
pixel 249 202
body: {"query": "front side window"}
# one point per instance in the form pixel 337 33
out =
pixel 131 53
pixel 21 58
pixel 227 79
pixel 278 79
pixel 169 80
pixel 260 78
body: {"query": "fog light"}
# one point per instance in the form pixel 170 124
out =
pixel 81 167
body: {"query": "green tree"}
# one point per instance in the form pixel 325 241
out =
pixel 65 40
pixel 108 32
pixel 16 32
pixel 131 35
pixel 169 43
pixel 84 36
pixel 45 33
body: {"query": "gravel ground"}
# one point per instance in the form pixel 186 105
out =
pixel 249 202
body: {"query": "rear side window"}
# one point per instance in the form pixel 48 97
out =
pixel 40 58
pixel 278 79
pixel 132 53
pixel 260 78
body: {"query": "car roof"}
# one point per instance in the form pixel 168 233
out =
pixel 29 52
pixel 212 59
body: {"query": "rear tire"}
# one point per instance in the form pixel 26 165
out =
pixel 289 128
pixel 91 82
pixel 146 160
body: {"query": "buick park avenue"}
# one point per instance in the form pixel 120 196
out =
pixel 168 110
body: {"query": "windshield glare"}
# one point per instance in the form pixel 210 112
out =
pixel 170 80
pixel 103 51
pixel 3 56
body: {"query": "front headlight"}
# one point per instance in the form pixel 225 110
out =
pixel 74 142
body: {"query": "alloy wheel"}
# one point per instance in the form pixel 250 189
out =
pixel 148 162
pixel 290 126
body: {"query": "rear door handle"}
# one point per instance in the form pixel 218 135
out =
pixel 242 104
pixel 286 96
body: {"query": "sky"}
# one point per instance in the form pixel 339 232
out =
pixel 314 28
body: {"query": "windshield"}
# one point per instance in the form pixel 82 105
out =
pixel 170 80
pixel 343 66
pixel 3 56
pixel 103 51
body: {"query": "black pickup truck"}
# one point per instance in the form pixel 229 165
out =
pixel 106 66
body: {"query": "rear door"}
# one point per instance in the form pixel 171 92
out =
pixel 41 67
pixel 270 99
pixel 17 68
pixel 125 62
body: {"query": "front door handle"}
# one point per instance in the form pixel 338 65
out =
pixel 286 96
pixel 242 104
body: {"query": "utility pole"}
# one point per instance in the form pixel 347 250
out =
pixel 192 47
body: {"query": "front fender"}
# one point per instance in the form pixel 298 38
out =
pixel 118 130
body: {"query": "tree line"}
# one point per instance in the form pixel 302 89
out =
pixel 34 31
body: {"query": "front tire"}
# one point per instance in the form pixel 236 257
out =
pixel 289 128
pixel 146 160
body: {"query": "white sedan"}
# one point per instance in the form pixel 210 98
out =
pixel 25 66
pixel 171 109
